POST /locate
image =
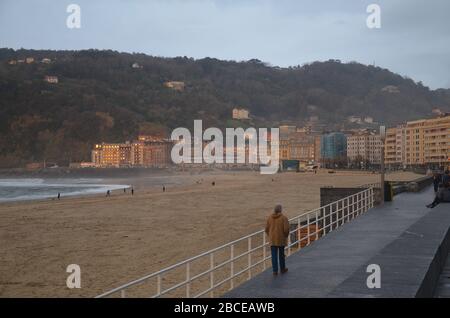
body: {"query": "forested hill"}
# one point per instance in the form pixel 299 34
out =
pixel 101 97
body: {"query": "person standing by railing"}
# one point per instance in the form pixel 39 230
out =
pixel 277 229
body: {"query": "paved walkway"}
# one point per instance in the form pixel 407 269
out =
pixel 335 265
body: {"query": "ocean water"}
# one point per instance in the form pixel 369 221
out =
pixel 36 189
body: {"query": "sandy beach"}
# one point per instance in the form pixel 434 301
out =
pixel 123 237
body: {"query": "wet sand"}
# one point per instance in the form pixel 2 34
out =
pixel 123 237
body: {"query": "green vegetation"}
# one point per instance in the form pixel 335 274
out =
pixel 101 97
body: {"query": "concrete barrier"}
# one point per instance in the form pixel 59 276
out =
pixel 412 186
pixel 329 194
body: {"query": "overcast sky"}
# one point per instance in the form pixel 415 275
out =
pixel 414 38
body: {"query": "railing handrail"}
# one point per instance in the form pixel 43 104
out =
pixel 229 244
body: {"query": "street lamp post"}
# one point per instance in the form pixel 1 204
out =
pixel 382 172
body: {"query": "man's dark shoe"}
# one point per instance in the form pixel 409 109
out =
pixel 283 271
pixel 275 273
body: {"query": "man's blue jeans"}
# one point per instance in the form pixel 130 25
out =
pixel 278 253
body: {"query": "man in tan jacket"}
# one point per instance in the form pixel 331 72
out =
pixel 277 229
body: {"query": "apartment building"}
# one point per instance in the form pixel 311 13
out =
pixel 428 141
pixel 334 146
pixel 395 146
pixel 111 155
pixel 300 145
pixel 423 142
pixel 139 153
pixel 437 141
pixel 365 147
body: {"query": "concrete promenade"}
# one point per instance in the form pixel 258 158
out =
pixel 408 241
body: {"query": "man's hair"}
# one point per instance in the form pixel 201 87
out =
pixel 278 208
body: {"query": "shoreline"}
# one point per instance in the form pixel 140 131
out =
pixel 137 178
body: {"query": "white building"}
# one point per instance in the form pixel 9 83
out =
pixel 240 113
pixel 364 147
pixel 354 119
pixel 175 85
pixel 368 120
pixel 51 79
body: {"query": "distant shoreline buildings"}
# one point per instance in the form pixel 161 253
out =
pixel 424 142
pixel 147 151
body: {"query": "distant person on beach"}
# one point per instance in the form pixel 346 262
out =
pixel 59 195
pixel 277 229
pixel 443 192
pixel 164 188
pixel 124 190
pixel 108 193
pixel 132 191
pixel 213 183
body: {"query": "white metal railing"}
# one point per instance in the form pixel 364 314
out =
pixel 304 229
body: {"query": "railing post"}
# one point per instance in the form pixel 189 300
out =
pixel 372 197
pixel 158 285
pixel 317 225
pixel 289 242
pixel 359 204
pixel 122 293
pixel 366 201
pixel 211 274
pixel 336 214
pixel 249 257
pixel 264 251
pixel 353 206
pixel 188 280
pixel 308 230
pixel 331 218
pixel 347 208
pixel 232 267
